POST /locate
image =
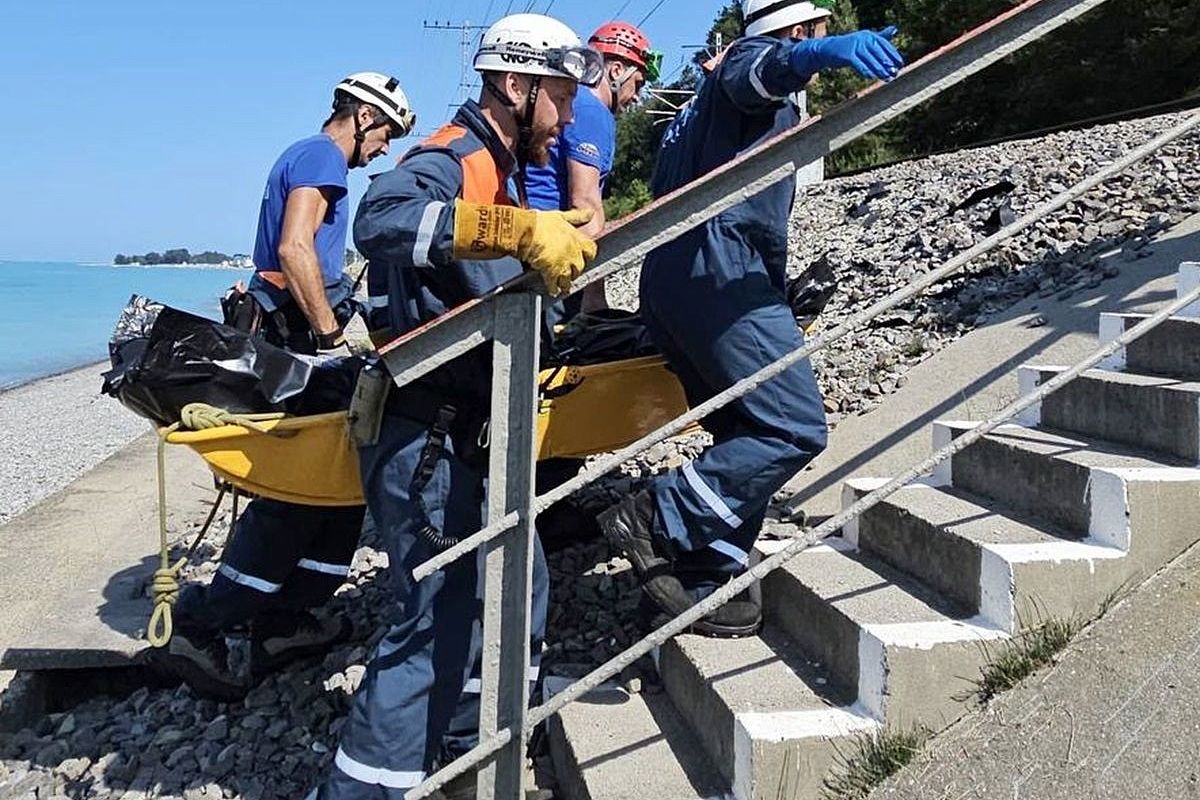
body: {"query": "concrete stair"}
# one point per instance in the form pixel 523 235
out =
pixel 1154 414
pixel 889 625
pixel 763 712
pixel 622 746
pixel 1009 571
pixel 876 628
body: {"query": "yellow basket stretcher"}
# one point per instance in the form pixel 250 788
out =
pixel 311 460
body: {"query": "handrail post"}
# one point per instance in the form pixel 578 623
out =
pixel 508 581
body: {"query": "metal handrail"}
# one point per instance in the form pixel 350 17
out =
pixel 735 587
pixel 606 464
pixel 796 546
pixel 512 509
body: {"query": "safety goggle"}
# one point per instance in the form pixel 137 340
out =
pixel 583 64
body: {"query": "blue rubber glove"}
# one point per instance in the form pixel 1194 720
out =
pixel 869 52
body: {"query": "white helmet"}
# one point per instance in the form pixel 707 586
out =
pixel 533 44
pixel 767 16
pixel 384 93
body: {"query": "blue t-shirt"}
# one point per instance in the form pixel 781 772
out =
pixel 591 139
pixel 316 162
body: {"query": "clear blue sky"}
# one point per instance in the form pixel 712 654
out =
pixel 133 125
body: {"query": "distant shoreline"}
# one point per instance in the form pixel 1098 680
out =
pixel 180 266
pixel 100 367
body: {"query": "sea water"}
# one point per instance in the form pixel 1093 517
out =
pixel 57 316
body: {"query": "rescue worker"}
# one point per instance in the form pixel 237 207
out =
pixel 284 558
pixel 714 302
pixel 582 159
pixel 445 226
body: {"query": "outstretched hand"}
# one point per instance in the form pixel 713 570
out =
pixel 870 53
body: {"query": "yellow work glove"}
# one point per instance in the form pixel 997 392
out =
pixel 547 241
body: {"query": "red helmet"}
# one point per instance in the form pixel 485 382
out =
pixel 625 41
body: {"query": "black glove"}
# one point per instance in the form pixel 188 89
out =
pixel 332 343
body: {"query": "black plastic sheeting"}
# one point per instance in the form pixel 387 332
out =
pixel 810 291
pixel 163 359
pixel 598 337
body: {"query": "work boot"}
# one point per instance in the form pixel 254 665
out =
pixel 629 527
pixel 279 639
pixel 201 660
pixel 738 618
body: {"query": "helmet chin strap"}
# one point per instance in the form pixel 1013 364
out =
pixel 614 89
pixel 524 120
pixel 360 136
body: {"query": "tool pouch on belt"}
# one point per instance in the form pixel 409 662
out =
pixel 368 404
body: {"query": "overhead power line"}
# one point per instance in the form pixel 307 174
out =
pixel 466 38
pixel 657 6
pixel 617 14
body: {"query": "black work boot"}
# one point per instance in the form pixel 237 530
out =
pixel 279 639
pixel 629 527
pixel 738 618
pixel 201 660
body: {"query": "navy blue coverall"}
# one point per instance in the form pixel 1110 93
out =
pixel 283 557
pixel 418 706
pixel 714 302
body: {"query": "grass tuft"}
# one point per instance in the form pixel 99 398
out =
pixel 1028 652
pixel 876 757
pixel 915 346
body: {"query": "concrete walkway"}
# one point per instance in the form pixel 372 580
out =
pixel 74 568
pixel 1116 717
pixel 977 375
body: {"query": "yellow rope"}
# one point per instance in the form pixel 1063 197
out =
pixel 165 583
pixel 203 417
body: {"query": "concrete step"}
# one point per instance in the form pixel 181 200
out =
pixel 909 653
pixel 1100 491
pixel 1172 349
pixel 1011 571
pixel 1155 414
pixel 768 719
pixel 613 745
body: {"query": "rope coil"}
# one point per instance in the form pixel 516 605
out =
pixel 164 585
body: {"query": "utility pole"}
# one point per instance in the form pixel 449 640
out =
pixel 466 43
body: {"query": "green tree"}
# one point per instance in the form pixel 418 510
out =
pixel 1122 56
pixel 836 86
pixel 638 138
pixel 209 257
